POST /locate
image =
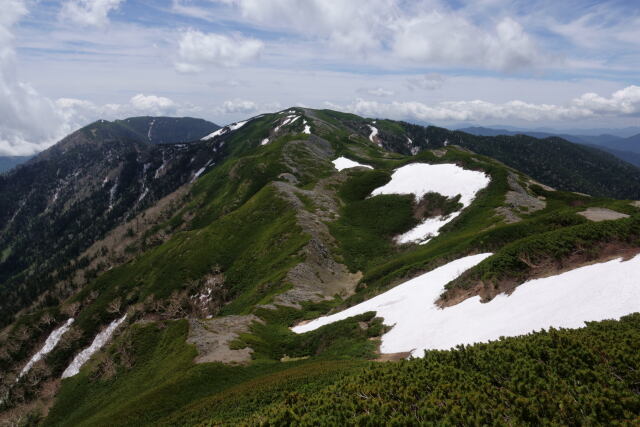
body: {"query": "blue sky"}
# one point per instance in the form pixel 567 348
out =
pixel 568 64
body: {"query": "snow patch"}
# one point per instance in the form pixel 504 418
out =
pixel 224 130
pixel 426 230
pixel 307 128
pixel 98 342
pixel 374 133
pixel 264 141
pixel 287 121
pixel 421 178
pixel 595 292
pixel 343 163
pixel 50 343
pixel 145 191
pixel 199 172
pixel 447 179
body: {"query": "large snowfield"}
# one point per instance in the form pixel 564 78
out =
pixel 447 179
pixel 595 292
pixel 422 178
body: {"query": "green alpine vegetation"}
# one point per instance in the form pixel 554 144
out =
pixel 218 250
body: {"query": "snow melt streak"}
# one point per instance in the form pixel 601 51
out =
pixel 98 342
pixel 595 292
pixel 50 343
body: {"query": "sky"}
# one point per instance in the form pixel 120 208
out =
pixel 569 64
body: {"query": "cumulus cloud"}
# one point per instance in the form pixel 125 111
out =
pixel 236 109
pixel 625 102
pixel 425 32
pixel 31 122
pixel 153 104
pixel 238 106
pixel 196 48
pixel 89 12
pixel 27 119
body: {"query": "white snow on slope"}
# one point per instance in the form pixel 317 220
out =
pixel 344 163
pixel 426 230
pixel 421 178
pixel 264 141
pixel 374 133
pixel 50 343
pixel 223 130
pixel 287 121
pixel 98 342
pixel 307 128
pixel 595 292
pixel 446 179
pixel 198 173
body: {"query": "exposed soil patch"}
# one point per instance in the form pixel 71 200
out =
pixel 602 214
pixel 392 357
pixel 439 152
pixel 548 267
pixel 212 338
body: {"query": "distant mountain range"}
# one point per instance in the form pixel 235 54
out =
pixel 9 162
pixel 627 148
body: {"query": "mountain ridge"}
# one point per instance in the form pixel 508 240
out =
pixel 263 231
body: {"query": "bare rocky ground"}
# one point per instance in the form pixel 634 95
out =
pixel 319 276
pixel 518 201
pixel 602 214
pixel 212 338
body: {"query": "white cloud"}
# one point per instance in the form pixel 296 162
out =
pixel 430 81
pixel 238 106
pixel 89 12
pixel 185 68
pixel 378 92
pixel 27 119
pixel 196 48
pixel 625 102
pixel 424 32
pixel 152 104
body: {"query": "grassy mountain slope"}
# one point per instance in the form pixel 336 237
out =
pixel 266 236
pixel 69 196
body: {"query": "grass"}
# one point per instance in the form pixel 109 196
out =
pixel 568 377
pixel 514 261
pixel 557 377
pixel 164 385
